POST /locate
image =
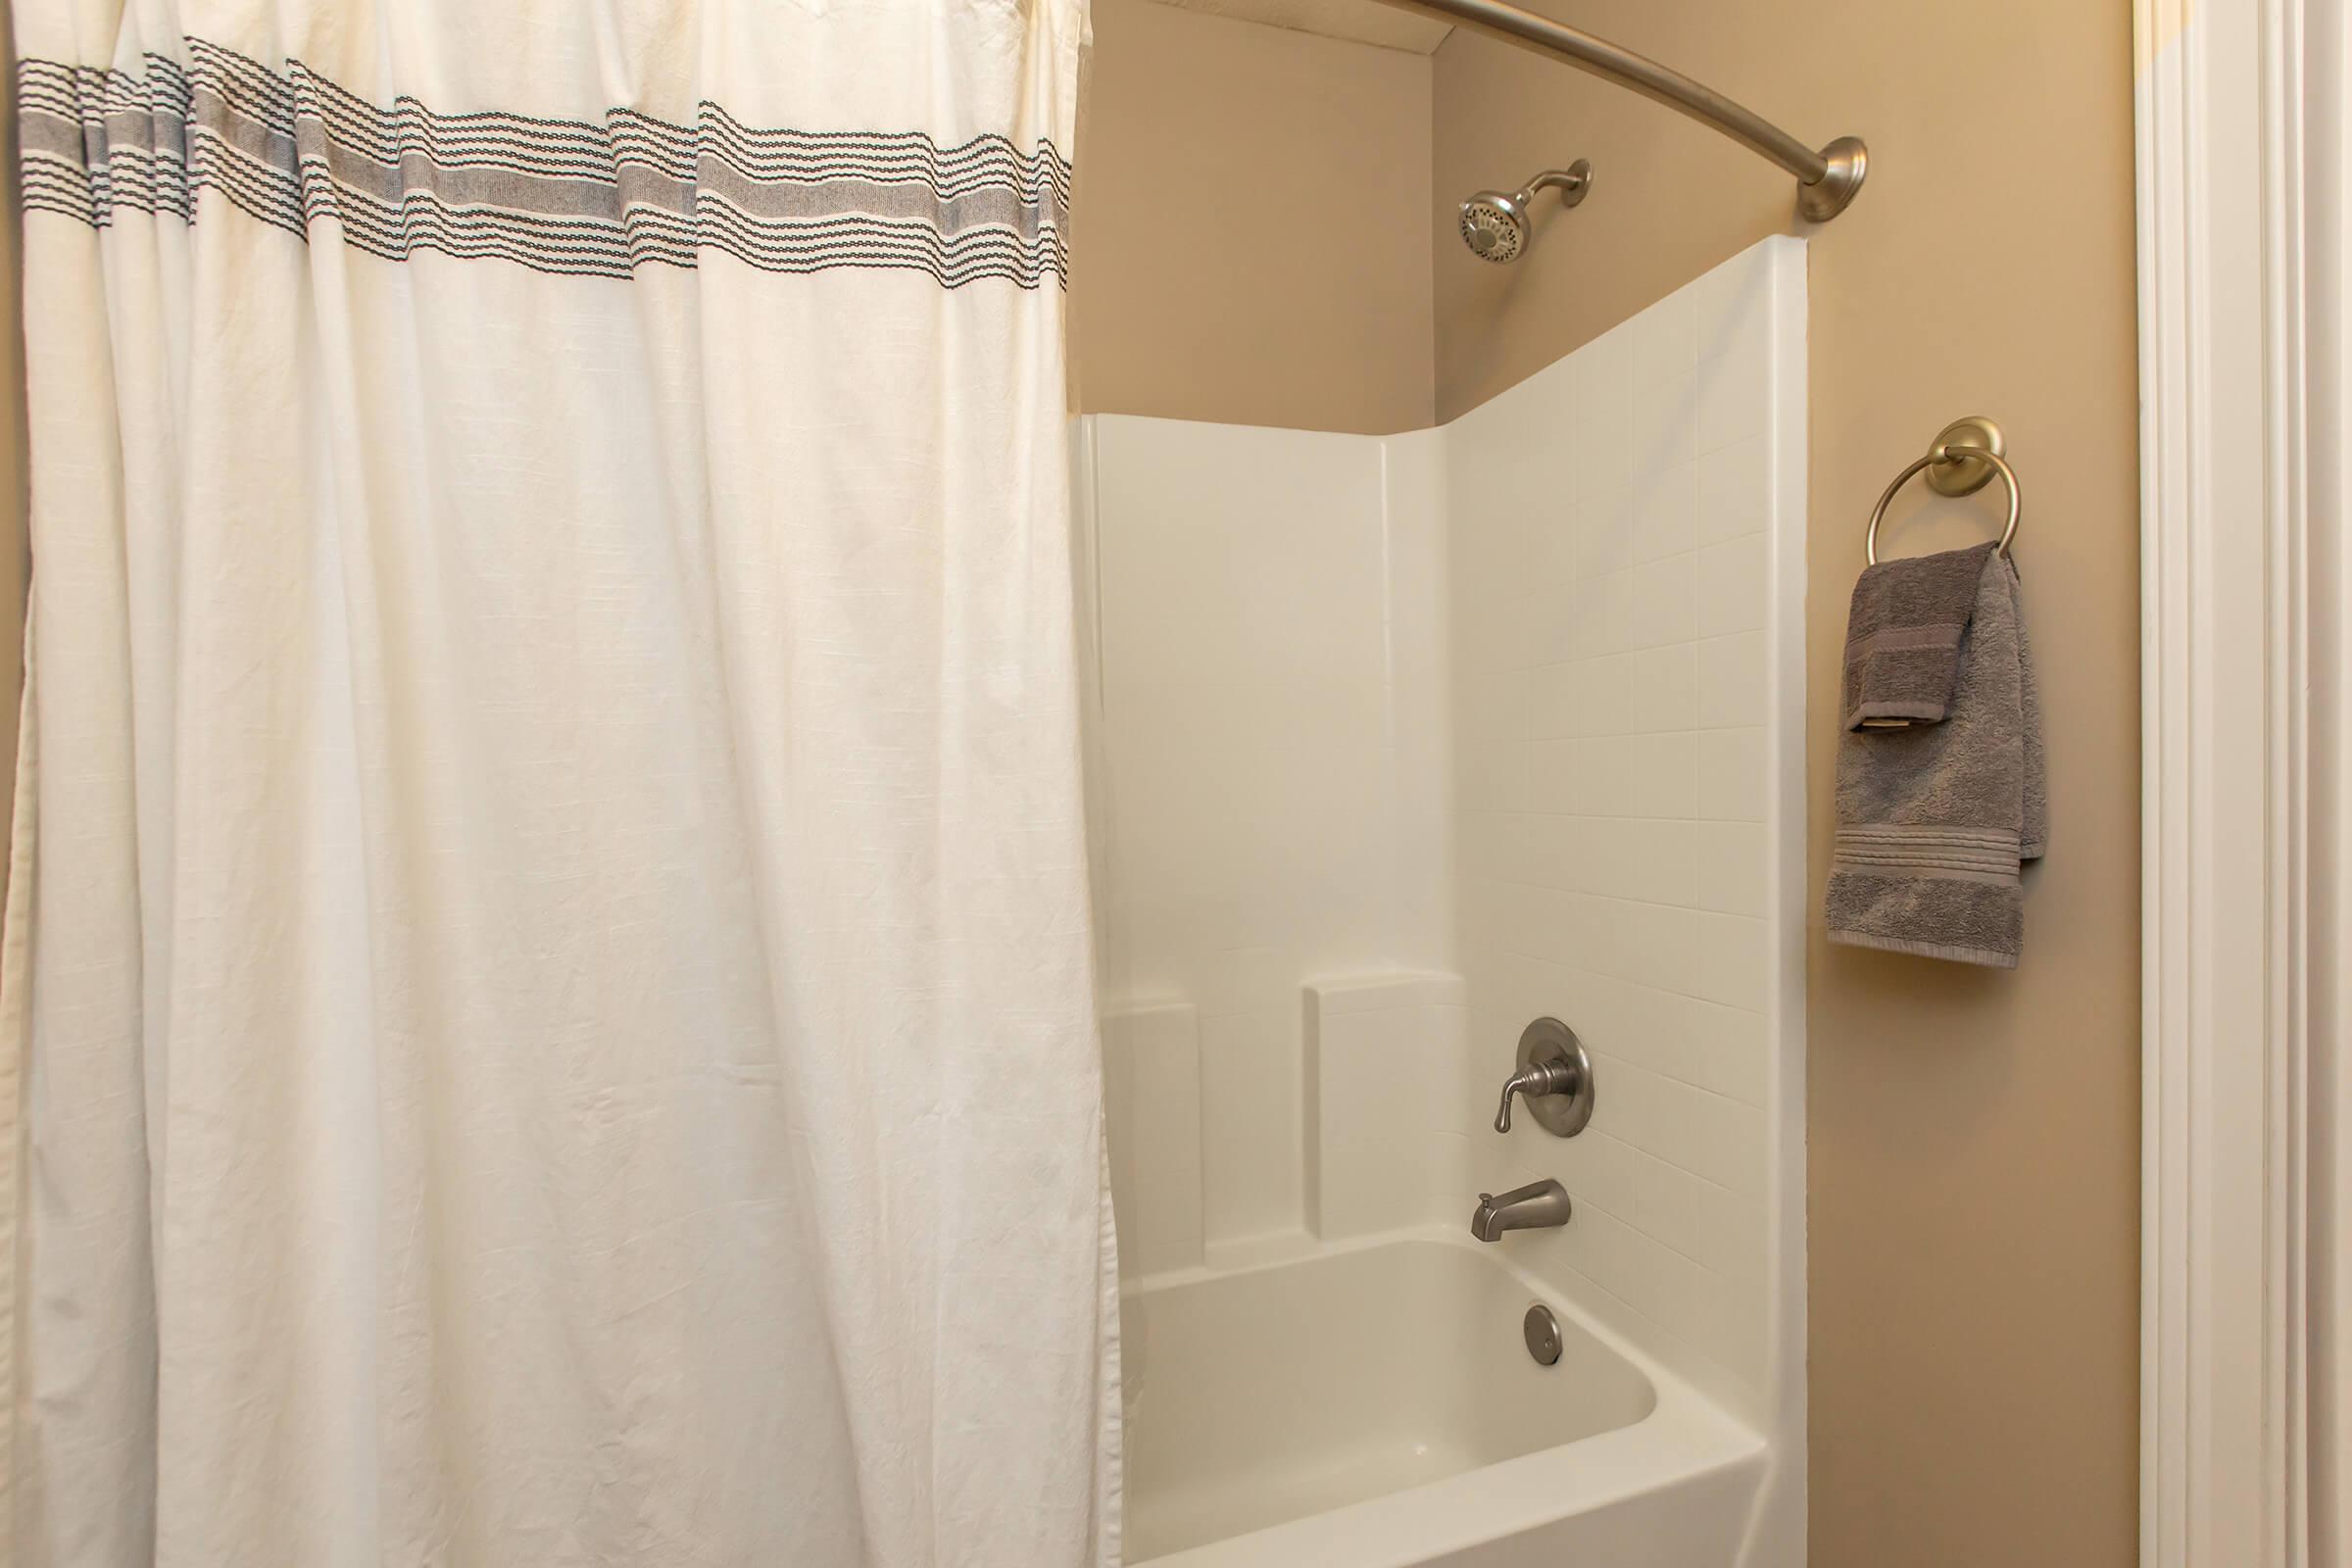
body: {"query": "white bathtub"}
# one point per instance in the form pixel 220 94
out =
pixel 1372 1405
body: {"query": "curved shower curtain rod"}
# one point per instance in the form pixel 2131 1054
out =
pixel 1827 180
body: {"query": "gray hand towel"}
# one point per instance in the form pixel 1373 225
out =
pixel 1940 795
pixel 1902 637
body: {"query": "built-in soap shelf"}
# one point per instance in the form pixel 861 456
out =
pixel 1375 1136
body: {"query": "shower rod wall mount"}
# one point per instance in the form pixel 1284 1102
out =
pixel 1827 177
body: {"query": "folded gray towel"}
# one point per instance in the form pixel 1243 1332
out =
pixel 1902 637
pixel 1940 793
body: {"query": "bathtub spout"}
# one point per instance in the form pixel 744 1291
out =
pixel 1536 1206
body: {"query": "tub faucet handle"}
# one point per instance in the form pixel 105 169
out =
pixel 1544 1078
pixel 1554 1077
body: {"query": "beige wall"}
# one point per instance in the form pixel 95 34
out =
pixel 1249 242
pixel 1974 1136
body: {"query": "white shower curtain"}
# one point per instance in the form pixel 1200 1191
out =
pixel 548 964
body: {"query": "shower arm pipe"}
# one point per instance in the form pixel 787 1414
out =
pixel 1827 178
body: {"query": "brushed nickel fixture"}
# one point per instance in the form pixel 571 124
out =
pixel 1554 1077
pixel 1539 1206
pixel 1827 178
pixel 1962 460
pixel 1967 439
pixel 1495 225
pixel 1541 1332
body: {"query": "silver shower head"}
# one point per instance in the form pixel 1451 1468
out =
pixel 1495 224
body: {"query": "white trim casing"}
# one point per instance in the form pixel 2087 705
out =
pixel 2227 935
pixel 2327 300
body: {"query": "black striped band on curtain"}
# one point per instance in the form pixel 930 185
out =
pixel 601 199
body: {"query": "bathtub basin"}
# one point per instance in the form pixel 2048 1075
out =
pixel 1372 1404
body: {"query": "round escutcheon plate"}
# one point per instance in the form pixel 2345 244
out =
pixel 1542 1334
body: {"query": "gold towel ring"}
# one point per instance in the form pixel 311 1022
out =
pixel 1953 452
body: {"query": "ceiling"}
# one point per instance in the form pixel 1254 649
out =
pixel 1360 20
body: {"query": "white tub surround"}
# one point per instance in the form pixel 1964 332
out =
pixel 1628 693
pixel 1267 762
pixel 1398 744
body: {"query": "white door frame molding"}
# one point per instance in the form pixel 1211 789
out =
pixel 2229 940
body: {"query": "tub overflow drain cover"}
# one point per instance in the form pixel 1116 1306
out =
pixel 1543 1333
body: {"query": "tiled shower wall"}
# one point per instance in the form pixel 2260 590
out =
pixel 1626 596
pixel 1400 743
